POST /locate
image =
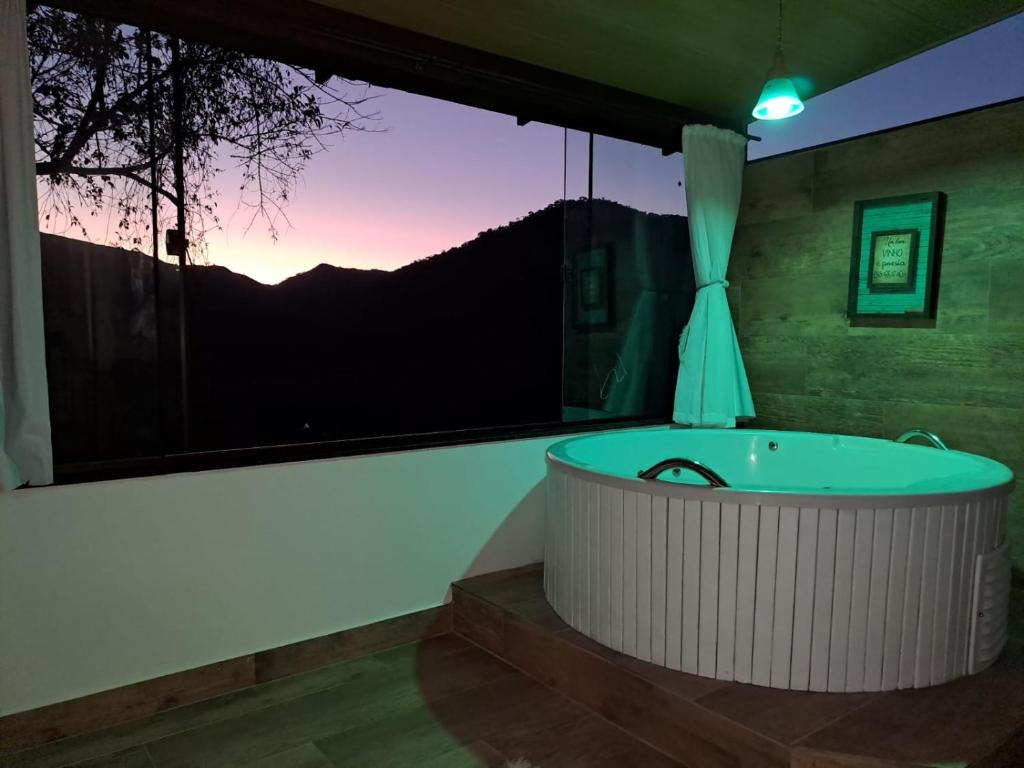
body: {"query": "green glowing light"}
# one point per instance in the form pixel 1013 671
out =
pixel 778 100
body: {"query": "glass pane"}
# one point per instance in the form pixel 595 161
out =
pixel 406 279
pixel 95 218
pixel 353 261
pixel 630 282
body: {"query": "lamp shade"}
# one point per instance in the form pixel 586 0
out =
pixel 778 100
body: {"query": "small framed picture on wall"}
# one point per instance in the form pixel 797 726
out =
pixel 894 263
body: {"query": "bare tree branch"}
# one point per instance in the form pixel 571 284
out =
pixel 94 85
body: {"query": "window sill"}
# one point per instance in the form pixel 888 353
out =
pixel 118 469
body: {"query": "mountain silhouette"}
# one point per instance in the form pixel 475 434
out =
pixel 469 337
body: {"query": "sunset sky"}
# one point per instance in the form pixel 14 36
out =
pixel 441 173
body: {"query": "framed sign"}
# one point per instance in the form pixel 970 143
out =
pixel 592 289
pixel 894 265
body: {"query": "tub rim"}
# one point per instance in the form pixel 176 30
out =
pixel 778 498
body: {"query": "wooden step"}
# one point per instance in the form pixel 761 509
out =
pixel 705 723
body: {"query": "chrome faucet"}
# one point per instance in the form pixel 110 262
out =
pixel 924 434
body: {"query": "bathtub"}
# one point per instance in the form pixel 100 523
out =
pixel 783 559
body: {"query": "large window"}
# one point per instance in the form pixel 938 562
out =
pixel 239 253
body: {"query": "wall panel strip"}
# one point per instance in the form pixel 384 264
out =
pixel 746 578
pixel 824 580
pixel 616 574
pixel 710 544
pixel 803 599
pixel 728 568
pixel 682 553
pixel 644 564
pixel 785 587
pixel 895 598
pixel 842 590
pixel 881 558
pixel 659 549
pixel 764 595
pixel 629 573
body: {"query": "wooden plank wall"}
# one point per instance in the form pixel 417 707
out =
pixel 808 369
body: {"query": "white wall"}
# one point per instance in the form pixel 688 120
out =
pixel 106 584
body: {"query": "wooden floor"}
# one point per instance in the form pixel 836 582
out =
pixel 706 723
pixel 514 681
pixel 439 703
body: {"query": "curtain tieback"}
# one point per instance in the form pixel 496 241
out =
pixel 723 283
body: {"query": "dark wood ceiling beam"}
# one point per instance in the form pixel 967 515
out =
pixel 330 41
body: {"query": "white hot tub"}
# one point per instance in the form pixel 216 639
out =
pixel 824 562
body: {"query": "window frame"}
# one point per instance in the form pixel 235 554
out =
pixel 306 34
pixel 257 456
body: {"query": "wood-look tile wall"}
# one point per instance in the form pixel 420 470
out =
pixel 809 370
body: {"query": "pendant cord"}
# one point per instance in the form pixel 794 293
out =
pixel 780 26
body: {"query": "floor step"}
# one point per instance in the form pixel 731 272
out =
pixel 708 723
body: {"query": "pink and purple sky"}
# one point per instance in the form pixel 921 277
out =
pixel 442 172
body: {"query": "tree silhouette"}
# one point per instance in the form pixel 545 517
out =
pixel 104 124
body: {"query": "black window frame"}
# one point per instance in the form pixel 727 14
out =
pixel 327 40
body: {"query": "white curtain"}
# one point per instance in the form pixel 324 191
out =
pixel 25 455
pixel 711 389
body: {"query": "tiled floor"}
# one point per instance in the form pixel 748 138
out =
pixel 439 703
pixel 974 721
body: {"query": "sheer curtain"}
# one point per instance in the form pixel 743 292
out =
pixel 711 389
pixel 25 454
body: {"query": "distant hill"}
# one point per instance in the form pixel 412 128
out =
pixel 466 338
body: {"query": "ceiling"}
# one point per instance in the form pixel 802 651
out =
pixel 708 55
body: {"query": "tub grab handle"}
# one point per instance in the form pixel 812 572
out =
pixel 714 479
pixel 924 434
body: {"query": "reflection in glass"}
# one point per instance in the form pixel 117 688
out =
pixel 630 284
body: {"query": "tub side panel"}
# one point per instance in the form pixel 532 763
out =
pixel 581 555
pixel 707 639
pixel 644 563
pixel 896 598
pixel 659 543
pixel 746 584
pixel 859 594
pixel 601 618
pixel 594 560
pixel 944 596
pixel 878 591
pixel 965 577
pixel 842 590
pixel 728 569
pixel 679 558
pixel 764 595
pixel 629 573
pixel 565 570
pixel 929 589
pixel 912 596
pixel 785 587
pixel 803 599
pixel 824 578
pixel 616 575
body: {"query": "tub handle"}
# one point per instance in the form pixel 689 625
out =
pixel 714 479
pixel 924 434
